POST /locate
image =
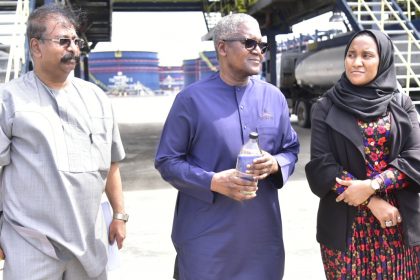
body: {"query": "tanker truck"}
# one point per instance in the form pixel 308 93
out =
pixel 303 76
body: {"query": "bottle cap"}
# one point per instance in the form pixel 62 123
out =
pixel 253 135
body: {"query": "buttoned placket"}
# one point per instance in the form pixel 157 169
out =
pixel 242 112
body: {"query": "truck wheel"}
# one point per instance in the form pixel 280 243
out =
pixel 303 114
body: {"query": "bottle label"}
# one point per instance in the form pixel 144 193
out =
pixel 243 161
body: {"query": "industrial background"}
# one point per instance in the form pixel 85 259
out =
pixel 302 68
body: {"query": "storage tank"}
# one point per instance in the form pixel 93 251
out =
pixel 171 78
pixel 131 68
pixel 200 68
pixel 322 68
pixel 191 69
pixel 208 64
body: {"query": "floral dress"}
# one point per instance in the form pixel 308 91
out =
pixel 374 252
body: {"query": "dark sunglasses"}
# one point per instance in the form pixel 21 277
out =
pixel 250 44
pixel 65 42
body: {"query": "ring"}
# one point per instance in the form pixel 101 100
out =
pixel 388 223
pixel 247 193
pixel 399 218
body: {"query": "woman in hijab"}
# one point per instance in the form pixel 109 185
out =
pixel 365 167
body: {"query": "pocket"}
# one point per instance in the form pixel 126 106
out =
pixel 101 142
pixel 102 129
pixel 267 138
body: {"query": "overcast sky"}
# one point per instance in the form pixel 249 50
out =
pixel 174 35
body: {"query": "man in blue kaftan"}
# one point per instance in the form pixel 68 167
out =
pixel 221 232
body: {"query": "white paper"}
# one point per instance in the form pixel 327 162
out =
pixel 114 260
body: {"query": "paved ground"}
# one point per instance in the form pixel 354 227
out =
pixel 148 253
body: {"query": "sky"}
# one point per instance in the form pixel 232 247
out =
pixel 176 36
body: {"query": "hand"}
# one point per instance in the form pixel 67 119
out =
pixel 383 211
pixel 357 192
pixel 117 232
pixel 263 166
pixel 2 256
pixel 231 185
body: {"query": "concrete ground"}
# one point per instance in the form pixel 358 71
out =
pixel 148 253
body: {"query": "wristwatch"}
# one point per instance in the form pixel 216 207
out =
pixel 121 216
pixel 374 184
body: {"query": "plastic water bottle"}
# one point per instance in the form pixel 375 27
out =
pixel 249 151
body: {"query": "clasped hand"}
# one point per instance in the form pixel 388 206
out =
pixel 357 192
pixel 263 166
pixel 231 184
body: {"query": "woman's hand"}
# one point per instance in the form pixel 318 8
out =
pixel 357 192
pixel 384 212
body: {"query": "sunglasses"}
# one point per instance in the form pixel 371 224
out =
pixel 65 42
pixel 250 44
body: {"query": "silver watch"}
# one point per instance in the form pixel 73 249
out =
pixel 121 216
pixel 376 186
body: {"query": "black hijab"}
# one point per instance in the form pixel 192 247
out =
pixel 372 99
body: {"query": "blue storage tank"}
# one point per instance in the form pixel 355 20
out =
pixel 171 77
pixel 200 68
pixel 191 71
pixel 131 67
pixel 208 64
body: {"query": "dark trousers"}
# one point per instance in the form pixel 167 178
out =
pixel 176 269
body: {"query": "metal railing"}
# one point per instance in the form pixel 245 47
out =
pixel 98 82
pixel 208 62
pixel 17 55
